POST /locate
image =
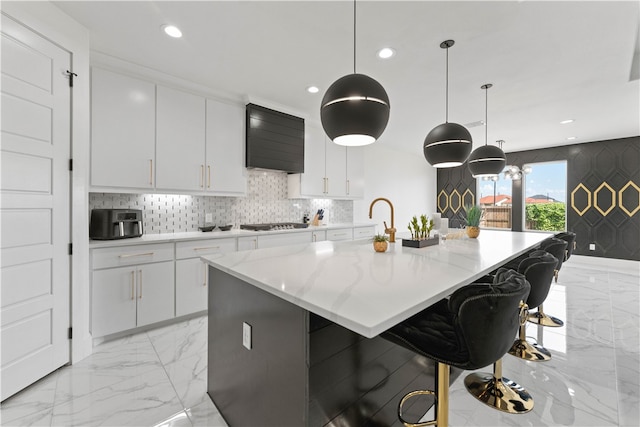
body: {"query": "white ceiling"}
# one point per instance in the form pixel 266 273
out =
pixel 548 61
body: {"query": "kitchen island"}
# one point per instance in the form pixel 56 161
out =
pixel 293 331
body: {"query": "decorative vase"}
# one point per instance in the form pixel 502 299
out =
pixel 473 232
pixel 380 246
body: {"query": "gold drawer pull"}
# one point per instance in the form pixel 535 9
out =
pixel 134 255
pixel 206 247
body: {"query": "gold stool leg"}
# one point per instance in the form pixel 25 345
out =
pixel 442 400
pixel 499 392
pixel 540 318
pixel 525 350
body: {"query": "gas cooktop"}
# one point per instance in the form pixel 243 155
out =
pixel 273 226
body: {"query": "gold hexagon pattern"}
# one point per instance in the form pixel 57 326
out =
pixel 627 209
pixel 446 201
pixel 464 198
pixel 573 202
pixel 606 211
pixel 451 205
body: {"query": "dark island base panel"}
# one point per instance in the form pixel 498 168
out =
pixel 303 369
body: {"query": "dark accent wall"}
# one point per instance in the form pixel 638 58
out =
pixel 603 193
pixel 456 189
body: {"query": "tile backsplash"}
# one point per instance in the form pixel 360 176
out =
pixel 266 201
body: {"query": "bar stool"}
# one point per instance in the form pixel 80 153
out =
pixel 557 248
pixel 471 329
pixel 570 238
pixel 538 269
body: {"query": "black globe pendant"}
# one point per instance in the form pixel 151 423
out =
pixel 487 161
pixel 355 110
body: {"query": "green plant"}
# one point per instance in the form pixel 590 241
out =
pixel 380 238
pixel 474 215
pixel 546 216
pixel 421 230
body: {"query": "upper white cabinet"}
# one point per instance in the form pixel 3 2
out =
pixel 122 131
pixel 180 140
pixel 355 172
pixel 330 170
pixel 148 136
pixel 225 129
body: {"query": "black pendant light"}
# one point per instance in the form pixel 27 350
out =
pixel 449 144
pixel 355 108
pixel 487 161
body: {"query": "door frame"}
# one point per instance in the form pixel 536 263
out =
pixel 51 23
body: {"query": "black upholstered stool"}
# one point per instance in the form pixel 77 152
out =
pixel 539 270
pixel 570 238
pixel 557 248
pixel 471 329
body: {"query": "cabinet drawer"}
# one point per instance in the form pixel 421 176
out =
pixel 196 248
pixel 131 255
pixel 363 232
pixel 340 234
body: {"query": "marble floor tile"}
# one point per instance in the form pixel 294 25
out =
pixel 158 377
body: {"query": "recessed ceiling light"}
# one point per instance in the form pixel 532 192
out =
pixel 564 122
pixel 571 138
pixel 313 89
pixel 172 31
pixel 386 52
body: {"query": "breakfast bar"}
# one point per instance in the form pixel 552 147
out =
pixel 293 330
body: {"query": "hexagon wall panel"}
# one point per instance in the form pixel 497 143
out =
pixel 607 200
pixel 581 199
pixel 628 200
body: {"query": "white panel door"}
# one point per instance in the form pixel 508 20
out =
pixel 355 172
pixel 155 293
pixel 336 170
pixel 225 131
pixel 313 180
pixel 191 286
pixel 35 207
pixel 180 140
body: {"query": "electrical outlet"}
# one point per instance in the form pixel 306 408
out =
pixel 246 335
pixel 208 217
pixel 592 246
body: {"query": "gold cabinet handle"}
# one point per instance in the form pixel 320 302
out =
pixel 348 187
pixel 134 255
pixel 208 176
pixel 201 176
pixel 132 285
pixel 205 275
pixel 140 283
pixel 151 172
pixel 205 248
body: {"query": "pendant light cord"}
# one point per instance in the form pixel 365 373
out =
pixel 354 36
pixel 486 109
pixel 446 102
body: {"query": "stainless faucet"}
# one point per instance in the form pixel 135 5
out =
pixel 390 231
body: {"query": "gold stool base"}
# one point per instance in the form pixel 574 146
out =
pixel 528 351
pixel 543 319
pixel 499 393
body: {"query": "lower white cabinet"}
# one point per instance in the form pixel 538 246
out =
pixel 127 297
pixel 364 232
pixel 191 272
pixel 340 234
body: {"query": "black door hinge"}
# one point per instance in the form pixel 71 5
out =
pixel 71 76
pixel 70 333
pixel 70 164
pixel 70 248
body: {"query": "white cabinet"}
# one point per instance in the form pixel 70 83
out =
pixel 364 232
pixel 355 172
pixel 225 129
pixel 318 235
pixel 180 140
pixel 122 131
pixel 247 243
pixel 273 240
pixel 340 234
pixel 139 293
pixel 330 170
pixel 191 272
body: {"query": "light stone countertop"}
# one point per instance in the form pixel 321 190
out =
pixel 215 234
pixel 368 292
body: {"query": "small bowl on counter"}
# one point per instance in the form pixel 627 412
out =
pixel 207 228
pixel 225 227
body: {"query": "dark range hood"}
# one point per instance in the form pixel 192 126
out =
pixel 275 140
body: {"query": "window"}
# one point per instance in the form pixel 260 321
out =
pixel 545 201
pixel 495 201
